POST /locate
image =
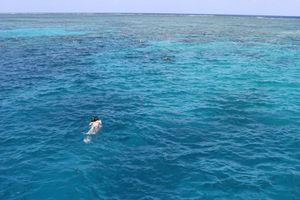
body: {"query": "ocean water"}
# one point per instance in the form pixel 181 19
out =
pixel 193 107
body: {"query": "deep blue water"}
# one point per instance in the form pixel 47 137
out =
pixel 194 107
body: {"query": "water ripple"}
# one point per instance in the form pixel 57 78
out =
pixel 201 107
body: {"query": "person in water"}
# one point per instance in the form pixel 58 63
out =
pixel 94 125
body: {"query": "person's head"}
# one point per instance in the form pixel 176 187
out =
pixel 94 119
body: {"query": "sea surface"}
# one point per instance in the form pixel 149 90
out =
pixel 193 107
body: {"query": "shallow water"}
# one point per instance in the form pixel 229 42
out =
pixel 194 107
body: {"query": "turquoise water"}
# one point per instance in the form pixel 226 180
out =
pixel 194 107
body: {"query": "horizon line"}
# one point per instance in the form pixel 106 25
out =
pixel 153 13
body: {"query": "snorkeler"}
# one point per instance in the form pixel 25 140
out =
pixel 95 124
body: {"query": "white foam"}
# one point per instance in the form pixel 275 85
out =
pixel 87 139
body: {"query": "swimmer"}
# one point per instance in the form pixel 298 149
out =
pixel 95 124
